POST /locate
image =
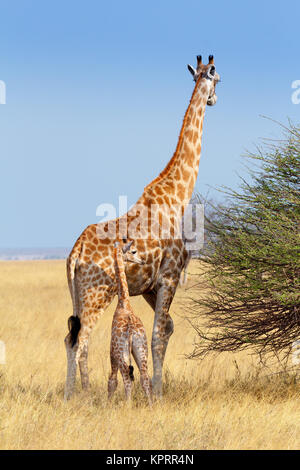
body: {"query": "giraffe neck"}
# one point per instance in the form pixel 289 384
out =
pixel 176 182
pixel 123 293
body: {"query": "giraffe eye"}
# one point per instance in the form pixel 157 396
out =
pixel 133 252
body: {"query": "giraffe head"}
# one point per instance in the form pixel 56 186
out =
pixel 129 252
pixel 208 73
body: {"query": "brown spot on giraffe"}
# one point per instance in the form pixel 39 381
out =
pixel 189 135
pixel 195 138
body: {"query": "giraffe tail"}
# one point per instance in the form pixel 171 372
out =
pixel 73 321
pixel 131 376
pixel 74 328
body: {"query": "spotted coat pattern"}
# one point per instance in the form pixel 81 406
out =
pixel 128 336
pixel 90 265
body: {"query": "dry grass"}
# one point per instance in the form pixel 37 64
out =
pixel 220 403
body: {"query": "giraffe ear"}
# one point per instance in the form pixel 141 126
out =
pixel 127 247
pixel 191 69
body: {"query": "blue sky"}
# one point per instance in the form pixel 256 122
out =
pixel 96 93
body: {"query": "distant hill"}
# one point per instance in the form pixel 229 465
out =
pixel 33 253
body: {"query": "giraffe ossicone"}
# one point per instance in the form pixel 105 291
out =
pixel 90 265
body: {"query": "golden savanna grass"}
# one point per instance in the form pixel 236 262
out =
pixel 218 403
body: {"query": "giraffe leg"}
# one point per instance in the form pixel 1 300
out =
pixel 88 321
pixel 78 354
pixel 160 300
pixel 145 381
pixel 112 381
pixel 146 386
pixel 140 354
pixel 71 368
pixel 124 369
pixel 83 367
pixel 162 330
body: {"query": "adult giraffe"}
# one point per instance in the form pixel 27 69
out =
pixel 90 265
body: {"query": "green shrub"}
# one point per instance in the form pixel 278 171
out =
pixel 251 295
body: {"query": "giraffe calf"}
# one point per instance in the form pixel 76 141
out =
pixel 128 335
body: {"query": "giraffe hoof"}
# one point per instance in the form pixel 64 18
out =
pixel 67 397
pixel 156 389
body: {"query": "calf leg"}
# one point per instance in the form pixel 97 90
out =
pixel 147 386
pixel 112 381
pixel 140 354
pixel 124 369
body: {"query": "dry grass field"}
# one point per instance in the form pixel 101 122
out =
pixel 218 403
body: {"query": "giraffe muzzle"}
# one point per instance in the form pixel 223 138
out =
pixel 212 100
